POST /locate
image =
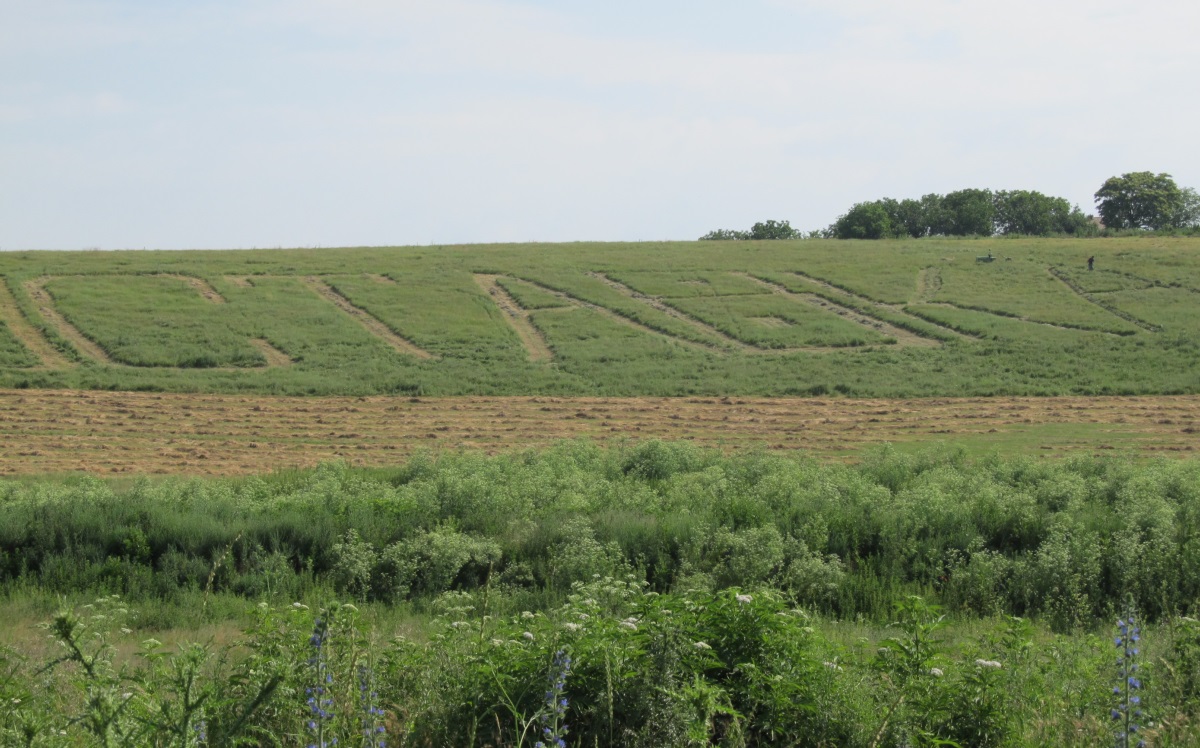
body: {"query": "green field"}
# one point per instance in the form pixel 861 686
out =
pixel 944 597
pixel 868 319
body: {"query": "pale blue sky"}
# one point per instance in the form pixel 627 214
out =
pixel 214 123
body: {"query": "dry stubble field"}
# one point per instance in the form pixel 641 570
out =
pixel 119 432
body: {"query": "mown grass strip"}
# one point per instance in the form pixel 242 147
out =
pixel 902 336
pixel 1067 281
pixel 36 289
pixel 518 318
pixel 26 334
pixel 373 325
pixel 674 313
pixel 274 356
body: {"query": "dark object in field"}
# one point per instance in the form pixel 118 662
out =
pixel 1091 262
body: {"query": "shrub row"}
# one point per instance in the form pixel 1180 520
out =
pixel 1065 539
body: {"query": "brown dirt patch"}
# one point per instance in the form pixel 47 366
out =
pixel 121 432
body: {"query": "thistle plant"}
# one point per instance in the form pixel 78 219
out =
pixel 178 691
pixel 108 692
pixel 554 714
pixel 1128 710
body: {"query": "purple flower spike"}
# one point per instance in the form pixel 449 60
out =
pixel 1128 701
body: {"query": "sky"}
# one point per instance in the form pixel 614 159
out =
pixel 180 124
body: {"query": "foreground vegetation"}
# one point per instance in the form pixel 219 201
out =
pixel 614 665
pixel 661 594
pixel 899 318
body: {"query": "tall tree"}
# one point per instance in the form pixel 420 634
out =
pixel 1031 212
pixel 910 217
pixel 966 213
pixel 1187 212
pixel 1024 212
pixel 864 221
pixel 1139 200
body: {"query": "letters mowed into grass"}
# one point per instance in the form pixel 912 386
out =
pixel 878 319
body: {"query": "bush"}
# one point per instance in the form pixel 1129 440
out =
pixel 763 230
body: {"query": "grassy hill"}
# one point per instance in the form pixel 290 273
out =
pixel 880 319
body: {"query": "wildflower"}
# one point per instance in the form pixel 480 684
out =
pixel 1128 708
pixel 989 664
pixel 936 672
pixel 320 705
pixel 572 627
pixel 373 731
pixel 701 645
pixel 528 635
pixel 832 666
pixel 526 614
pixel 554 713
pixel 628 625
pixel 299 606
pixel 743 599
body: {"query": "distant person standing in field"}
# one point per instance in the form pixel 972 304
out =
pixel 1091 262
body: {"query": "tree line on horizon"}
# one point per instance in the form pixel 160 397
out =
pixel 1135 201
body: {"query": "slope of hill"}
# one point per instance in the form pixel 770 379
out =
pixel 868 319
